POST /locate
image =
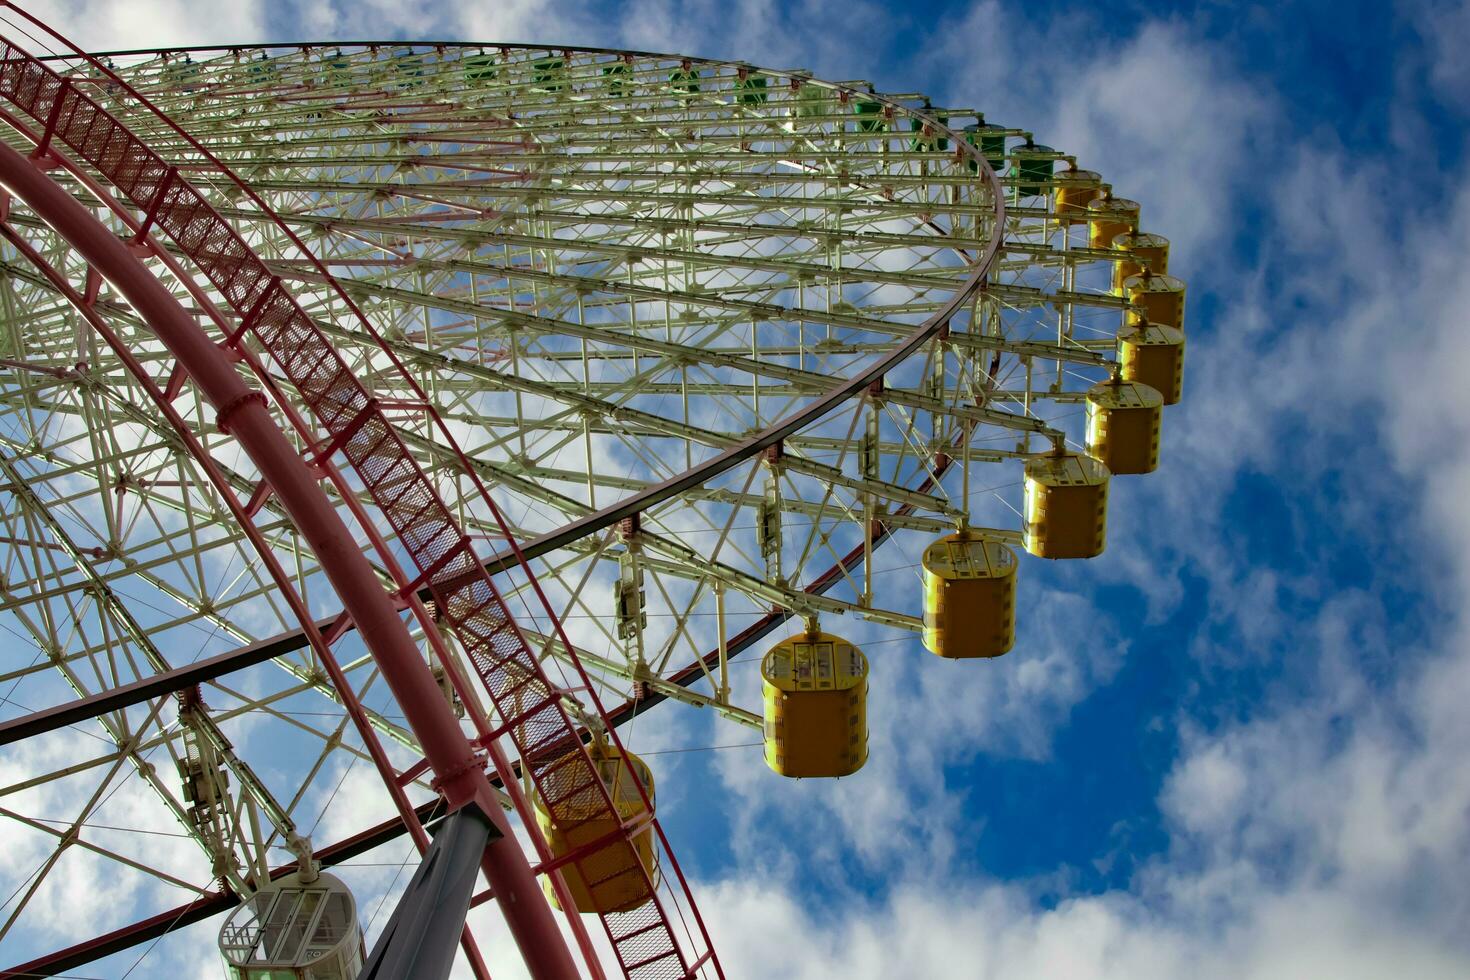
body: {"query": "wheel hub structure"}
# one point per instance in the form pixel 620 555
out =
pixel 384 428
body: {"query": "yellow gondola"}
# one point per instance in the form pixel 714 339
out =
pixel 1152 354
pixel 1123 423
pixel 1076 190
pixel 816 714
pixel 1108 217
pixel 969 597
pixel 1160 298
pixel 1066 506
pixel 1142 249
pixel 606 880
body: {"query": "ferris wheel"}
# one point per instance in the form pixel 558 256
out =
pixel 436 410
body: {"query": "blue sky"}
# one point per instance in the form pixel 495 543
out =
pixel 1234 745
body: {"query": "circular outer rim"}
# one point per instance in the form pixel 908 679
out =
pixel 716 465
pixel 321 527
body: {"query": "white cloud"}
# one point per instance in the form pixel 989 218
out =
pixel 1318 835
pixel 924 717
pixel 1446 27
pixel 107 26
pixel 992 931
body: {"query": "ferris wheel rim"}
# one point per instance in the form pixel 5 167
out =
pixel 520 553
pixel 530 926
pixel 839 394
pixel 769 436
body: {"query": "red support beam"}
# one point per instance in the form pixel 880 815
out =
pixel 244 413
pixel 674 487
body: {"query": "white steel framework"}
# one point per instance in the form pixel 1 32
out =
pixel 711 333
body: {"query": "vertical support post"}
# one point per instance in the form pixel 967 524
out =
pixel 39 153
pixel 723 693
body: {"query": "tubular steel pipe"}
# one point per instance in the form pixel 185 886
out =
pixel 840 392
pixel 242 412
pixel 243 280
pixel 409 820
pixel 158 925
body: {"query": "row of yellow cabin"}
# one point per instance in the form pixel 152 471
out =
pixel 815 685
pixel 1151 343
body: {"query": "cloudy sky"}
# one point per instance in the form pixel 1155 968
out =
pixel 1236 745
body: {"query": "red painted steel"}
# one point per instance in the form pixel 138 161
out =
pixel 934 326
pixel 530 706
pixel 242 411
pixel 321 640
pixel 410 820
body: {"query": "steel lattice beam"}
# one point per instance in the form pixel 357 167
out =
pixel 168 682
